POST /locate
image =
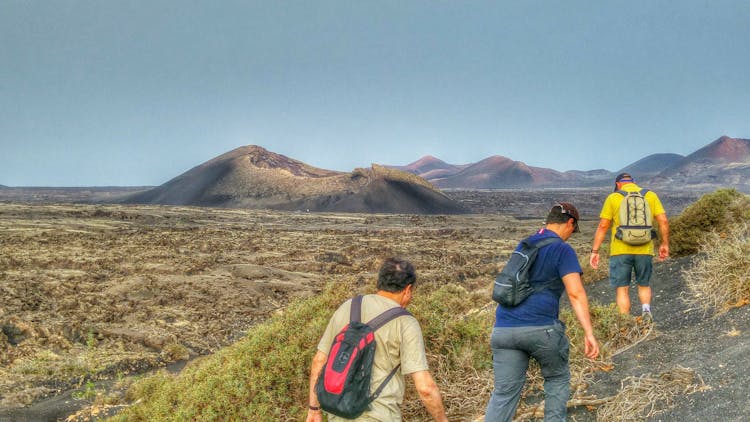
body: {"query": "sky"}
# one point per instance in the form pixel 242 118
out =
pixel 134 93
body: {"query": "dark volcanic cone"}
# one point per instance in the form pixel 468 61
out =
pixel 252 177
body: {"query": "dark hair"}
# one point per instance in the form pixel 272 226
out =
pixel 562 212
pixel 395 274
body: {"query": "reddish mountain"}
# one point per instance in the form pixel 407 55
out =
pixel 724 162
pixel 426 164
pixel 252 177
pixel 499 172
pixel 429 167
pixel 723 150
pixel 496 172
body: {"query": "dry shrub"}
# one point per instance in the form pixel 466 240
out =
pixel 456 328
pixel 464 388
pixel 173 352
pixel 612 330
pixel 591 275
pixel 25 397
pixel 718 211
pixel 718 278
pixel 645 396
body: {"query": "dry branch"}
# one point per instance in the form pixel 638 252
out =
pixel 645 396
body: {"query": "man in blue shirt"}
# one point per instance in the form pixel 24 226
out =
pixel 533 328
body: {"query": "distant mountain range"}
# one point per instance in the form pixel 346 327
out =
pixel 253 177
pixel 724 162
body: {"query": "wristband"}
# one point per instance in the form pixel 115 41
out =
pixel 595 251
pixel 314 408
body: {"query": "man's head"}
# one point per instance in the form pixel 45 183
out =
pixel 395 275
pixel 622 179
pixel 562 213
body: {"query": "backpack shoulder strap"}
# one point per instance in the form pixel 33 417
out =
pixel 538 287
pixel 376 323
pixel 355 315
pixel 386 316
pixel 644 191
pixel 622 192
pixel 547 241
pixel 382 384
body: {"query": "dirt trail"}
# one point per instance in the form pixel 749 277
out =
pixel 715 348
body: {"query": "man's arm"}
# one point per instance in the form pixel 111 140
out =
pixel 664 231
pixel 319 360
pixel 430 395
pixel 580 304
pixel 599 236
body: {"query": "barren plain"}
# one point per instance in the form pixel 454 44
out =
pixel 93 294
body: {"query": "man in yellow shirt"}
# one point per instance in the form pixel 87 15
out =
pixel 625 258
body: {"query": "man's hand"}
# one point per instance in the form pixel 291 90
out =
pixel 594 260
pixel 430 395
pixel 601 233
pixel 318 362
pixel 661 219
pixel 591 347
pixel 663 252
pixel 580 304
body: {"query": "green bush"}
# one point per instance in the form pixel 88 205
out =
pixel 265 376
pixel 438 312
pixel 262 377
pixel 719 211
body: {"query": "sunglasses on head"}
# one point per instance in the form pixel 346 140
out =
pixel 567 212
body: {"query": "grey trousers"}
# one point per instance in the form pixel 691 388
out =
pixel 511 349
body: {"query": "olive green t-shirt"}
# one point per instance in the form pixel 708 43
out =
pixel 398 341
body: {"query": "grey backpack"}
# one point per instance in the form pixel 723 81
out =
pixel 512 286
pixel 636 222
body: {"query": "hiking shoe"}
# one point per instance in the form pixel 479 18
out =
pixel 646 317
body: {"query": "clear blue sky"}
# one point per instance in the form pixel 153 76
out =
pixel 136 92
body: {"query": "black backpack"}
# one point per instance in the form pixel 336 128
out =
pixel 512 285
pixel 343 387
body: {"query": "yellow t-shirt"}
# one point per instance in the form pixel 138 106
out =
pixel 610 211
pixel 398 341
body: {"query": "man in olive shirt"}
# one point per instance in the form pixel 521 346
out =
pixel 398 342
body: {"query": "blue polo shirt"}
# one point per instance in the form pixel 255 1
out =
pixel 542 308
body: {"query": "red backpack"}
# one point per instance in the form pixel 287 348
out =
pixel 343 387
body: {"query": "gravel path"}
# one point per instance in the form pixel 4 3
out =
pixel 717 348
